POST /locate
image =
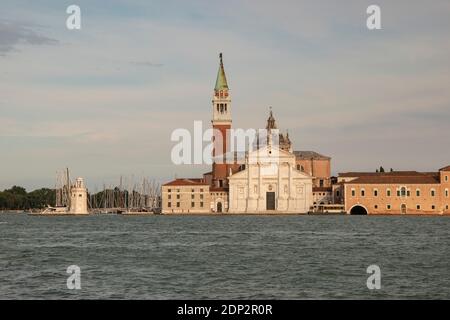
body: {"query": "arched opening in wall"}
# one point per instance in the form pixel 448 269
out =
pixel 403 208
pixel 219 206
pixel 358 210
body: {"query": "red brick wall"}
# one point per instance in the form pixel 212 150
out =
pixel 220 170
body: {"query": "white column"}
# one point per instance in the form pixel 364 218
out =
pixel 247 198
pixel 259 181
pixel 260 194
pixel 230 197
pixel 279 185
pixel 290 187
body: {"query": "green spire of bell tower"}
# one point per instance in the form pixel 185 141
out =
pixel 221 81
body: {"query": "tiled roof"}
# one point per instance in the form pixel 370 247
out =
pixel 322 189
pixel 218 189
pixel 364 174
pixel 310 155
pixel 186 182
pixel 447 168
pixel 396 179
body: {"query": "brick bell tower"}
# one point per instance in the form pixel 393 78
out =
pixel 221 120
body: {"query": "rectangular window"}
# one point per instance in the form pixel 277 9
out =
pixel 388 207
pixel 408 193
pixel 169 204
pixel 418 207
pixel 169 196
pixel 201 204
pixel 432 193
pixel 446 207
pixel 201 196
pixel 446 178
pixel 353 192
pixel 398 193
pixel 178 196
pixel 201 190
pixel 192 204
pixel 178 204
pixel 433 207
pixel 417 193
pixel 388 192
pixel 337 193
pixel 321 183
pixel 169 190
pixel 363 192
pixel 192 196
pixel 375 193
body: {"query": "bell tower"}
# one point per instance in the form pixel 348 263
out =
pixel 221 122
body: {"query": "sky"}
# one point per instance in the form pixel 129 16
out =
pixel 105 99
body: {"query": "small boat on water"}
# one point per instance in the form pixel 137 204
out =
pixel 50 211
pixel 138 211
pixel 55 211
pixel 330 209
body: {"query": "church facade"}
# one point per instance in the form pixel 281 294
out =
pixel 270 179
pixel 270 183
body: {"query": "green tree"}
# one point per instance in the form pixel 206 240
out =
pixel 17 198
pixel 41 198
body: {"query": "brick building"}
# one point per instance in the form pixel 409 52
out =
pixel 399 192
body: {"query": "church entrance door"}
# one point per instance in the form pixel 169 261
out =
pixel 270 200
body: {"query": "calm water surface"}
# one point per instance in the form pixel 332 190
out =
pixel 227 257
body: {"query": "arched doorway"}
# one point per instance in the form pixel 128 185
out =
pixel 403 208
pixel 219 206
pixel 358 210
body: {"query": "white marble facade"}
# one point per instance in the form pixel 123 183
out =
pixel 270 183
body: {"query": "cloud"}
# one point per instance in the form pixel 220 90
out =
pixel 146 64
pixel 14 34
pixel 106 99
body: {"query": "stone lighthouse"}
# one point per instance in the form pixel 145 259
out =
pixel 78 198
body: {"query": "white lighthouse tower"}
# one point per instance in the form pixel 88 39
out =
pixel 78 198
